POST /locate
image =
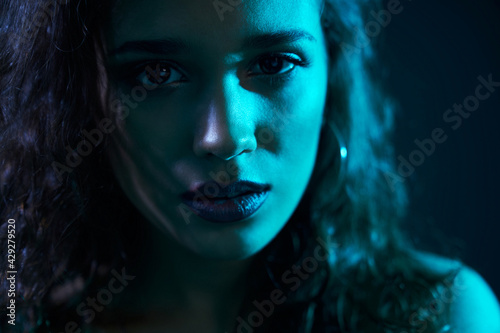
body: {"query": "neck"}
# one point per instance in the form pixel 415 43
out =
pixel 171 278
pixel 191 275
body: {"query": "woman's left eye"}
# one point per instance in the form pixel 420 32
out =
pixel 275 64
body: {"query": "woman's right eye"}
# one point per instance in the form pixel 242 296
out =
pixel 157 74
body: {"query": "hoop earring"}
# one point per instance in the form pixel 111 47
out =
pixel 342 150
pixel 335 170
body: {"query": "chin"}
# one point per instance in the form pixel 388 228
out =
pixel 233 241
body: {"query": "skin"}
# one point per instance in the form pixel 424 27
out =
pixel 213 118
pixel 220 109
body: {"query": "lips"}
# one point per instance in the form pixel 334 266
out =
pixel 226 203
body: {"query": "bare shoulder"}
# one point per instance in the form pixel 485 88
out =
pixel 475 307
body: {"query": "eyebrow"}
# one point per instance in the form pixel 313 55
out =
pixel 275 38
pixel 161 46
pixel 174 45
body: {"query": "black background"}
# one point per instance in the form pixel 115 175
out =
pixel 432 53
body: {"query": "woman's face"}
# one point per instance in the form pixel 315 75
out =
pixel 222 105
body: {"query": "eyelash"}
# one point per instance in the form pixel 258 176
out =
pixel 134 70
pixel 288 57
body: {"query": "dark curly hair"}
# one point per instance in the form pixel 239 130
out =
pixel 74 224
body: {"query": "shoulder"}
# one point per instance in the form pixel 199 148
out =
pixel 474 307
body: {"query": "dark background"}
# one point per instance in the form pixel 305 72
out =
pixel 433 52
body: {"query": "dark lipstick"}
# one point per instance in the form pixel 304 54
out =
pixel 226 203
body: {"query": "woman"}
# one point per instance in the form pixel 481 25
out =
pixel 198 166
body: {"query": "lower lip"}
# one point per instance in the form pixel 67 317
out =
pixel 228 210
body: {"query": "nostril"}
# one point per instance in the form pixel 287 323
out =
pixel 225 140
pixel 225 126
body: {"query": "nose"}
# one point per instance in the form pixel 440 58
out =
pixel 226 128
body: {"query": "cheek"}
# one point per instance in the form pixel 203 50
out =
pixel 157 133
pixel 297 138
pixel 298 124
pixel 155 121
pixel 298 127
pixel 144 149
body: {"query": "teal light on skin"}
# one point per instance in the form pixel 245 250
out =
pixel 217 110
pixel 210 111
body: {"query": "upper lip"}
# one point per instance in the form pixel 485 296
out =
pixel 215 190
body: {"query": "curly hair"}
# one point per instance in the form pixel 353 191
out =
pixel 70 226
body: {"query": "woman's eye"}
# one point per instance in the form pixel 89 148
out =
pixel 275 64
pixel 159 73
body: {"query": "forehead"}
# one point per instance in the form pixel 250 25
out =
pixel 209 21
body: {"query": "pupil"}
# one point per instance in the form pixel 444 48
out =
pixel 160 74
pixel 271 65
